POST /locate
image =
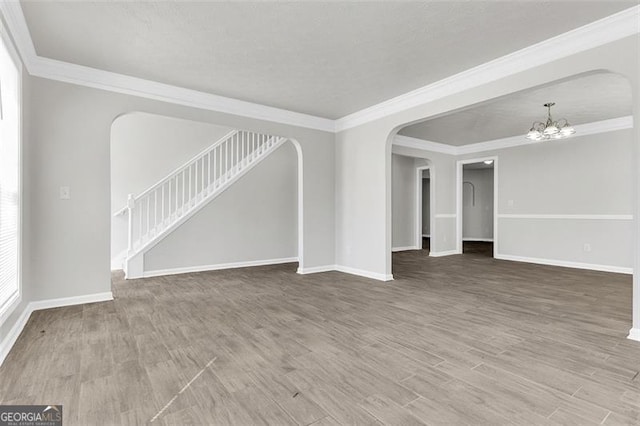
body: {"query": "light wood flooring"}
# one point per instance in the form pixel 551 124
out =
pixel 455 340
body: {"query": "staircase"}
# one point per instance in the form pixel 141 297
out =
pixel 163 207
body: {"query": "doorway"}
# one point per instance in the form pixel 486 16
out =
pixel 424 204
pixel 477 206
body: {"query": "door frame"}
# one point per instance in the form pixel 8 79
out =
pixel 432 201
pixel 459 183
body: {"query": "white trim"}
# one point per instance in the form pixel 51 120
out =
pixel 228 183
pixel 99 79
pixel 481 240
pixel 7 343
pixel 10 339
pixel 426 235
pixel 419 203
pixel 594 34
pixel 117 261
pixel 316 269
pixel 406 248
pixel 568 216
pixel 363 273
pixel 634 334
pixel 69 301
pixel 411 142
pixel 596 127
pixel 459 179
pixel 589 36
pixel 566 264
pixel 445 215
pixel 14 301
pixel 443 253
pixel 217 267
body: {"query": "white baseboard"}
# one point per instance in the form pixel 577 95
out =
pixel 217 267
pixel 566 264
pixel 634 334
pixel 316 269
pixel 363 273
pixel 395 249
pixel 443 253
pixel 7 343
pixel 117 261
pixel 484 240
pixel 69 301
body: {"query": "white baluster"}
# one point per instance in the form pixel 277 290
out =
pixel 162 214
pixel 130 205
pixel 209 172
pixel 148 215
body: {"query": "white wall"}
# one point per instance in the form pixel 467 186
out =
pixel 254 220
pixel 477 218
pixel 144 149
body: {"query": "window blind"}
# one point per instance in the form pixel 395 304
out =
pixel 9 179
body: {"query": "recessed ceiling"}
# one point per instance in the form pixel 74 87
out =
pixel 325 59
pixel 584 99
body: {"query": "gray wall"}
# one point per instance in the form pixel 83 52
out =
pixel 254 220
pixel 364 174
pixel 70 145
pixel 588 175
pixel 426 203
pixel 144 149
pixel 477 218
pixel 404 201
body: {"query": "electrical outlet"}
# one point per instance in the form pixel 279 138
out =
pixel 586 247
pixel 65 193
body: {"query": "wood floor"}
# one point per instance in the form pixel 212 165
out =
pixel 454 340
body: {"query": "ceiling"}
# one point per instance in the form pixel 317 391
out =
pixel 325 59
pixel 585 99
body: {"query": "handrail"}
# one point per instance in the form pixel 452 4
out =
pixel 174 198
pixel 178 169
pixel 195 158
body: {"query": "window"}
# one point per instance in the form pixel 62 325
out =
pixel 10 93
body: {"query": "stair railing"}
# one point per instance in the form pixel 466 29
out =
pixel 174 196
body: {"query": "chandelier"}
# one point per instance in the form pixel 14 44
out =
pixel 550 129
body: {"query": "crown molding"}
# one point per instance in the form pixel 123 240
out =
pixel 105 80
pixel 597 33
pixel 410 142
pixel 119 83
pixel 596 127
pixel 603 31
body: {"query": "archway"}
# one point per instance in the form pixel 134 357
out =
pixel 259 221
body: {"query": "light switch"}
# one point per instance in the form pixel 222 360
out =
pixel 65 193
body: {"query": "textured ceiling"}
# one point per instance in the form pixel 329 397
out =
pixel 584 99
pixel 326 59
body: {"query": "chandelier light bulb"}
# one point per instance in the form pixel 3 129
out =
pixel 550 129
